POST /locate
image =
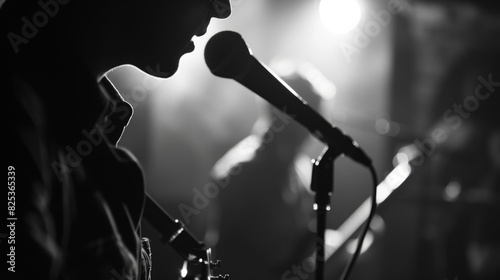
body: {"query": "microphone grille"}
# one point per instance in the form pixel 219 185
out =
pixel 225 54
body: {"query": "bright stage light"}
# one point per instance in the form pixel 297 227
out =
pixel 339 16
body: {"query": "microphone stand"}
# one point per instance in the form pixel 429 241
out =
pixel 322 185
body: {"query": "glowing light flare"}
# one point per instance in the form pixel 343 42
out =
pixel 335 238
pixel 377 224
pixel 400 158
pixel 367 242
pixel 387 127
pixel 184 270
pixel 452 191
pixel 339 16
pixel 321 84
pixel 393 180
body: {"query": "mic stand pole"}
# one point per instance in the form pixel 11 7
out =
pixel 322 185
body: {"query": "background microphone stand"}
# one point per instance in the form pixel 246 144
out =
pixel 322 186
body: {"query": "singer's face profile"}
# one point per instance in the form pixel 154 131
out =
pixel 151 35
pixel 156 34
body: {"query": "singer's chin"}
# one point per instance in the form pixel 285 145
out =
pixel 160 69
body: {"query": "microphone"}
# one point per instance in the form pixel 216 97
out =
pixel 228 56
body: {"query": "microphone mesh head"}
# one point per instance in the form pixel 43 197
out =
pixel 226 53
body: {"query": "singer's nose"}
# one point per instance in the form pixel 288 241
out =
pixel 221 8
pixel 202 29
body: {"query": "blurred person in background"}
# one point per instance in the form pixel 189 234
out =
pixel 78 197
pixel 262 222
pixel 463 216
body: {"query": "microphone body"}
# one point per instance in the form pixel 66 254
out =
pixel 228 56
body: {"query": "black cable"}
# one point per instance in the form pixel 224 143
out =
pixel 361 237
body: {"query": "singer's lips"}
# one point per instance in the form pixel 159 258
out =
pixel 190 47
